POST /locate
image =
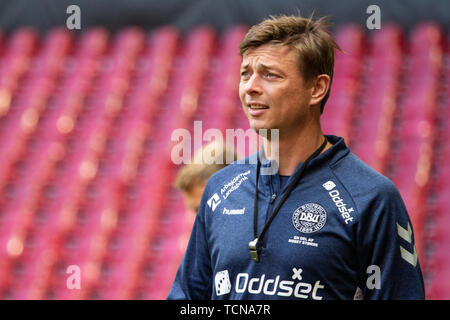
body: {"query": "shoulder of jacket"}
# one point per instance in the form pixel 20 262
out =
pixel 365 185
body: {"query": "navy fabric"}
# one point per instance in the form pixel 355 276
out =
pixel 283 181
pixel 343 233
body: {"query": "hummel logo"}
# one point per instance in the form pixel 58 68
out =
pixel 214 201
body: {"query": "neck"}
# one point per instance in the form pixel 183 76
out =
pixel 290 149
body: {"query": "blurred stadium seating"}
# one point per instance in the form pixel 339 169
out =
pixel 85 145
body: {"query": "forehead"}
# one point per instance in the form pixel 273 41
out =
pixel 270 55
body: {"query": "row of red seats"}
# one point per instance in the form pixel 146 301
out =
pixel 173 238
pixel 437 236
pixel 15 122
pixel 379 98
pixel 113 183
pixel 415 133
pixel 142 208
pixel 224 87
pixel 19 203
pixel 166 262
pixel 340 109
pixel 189 70
pixel 83 165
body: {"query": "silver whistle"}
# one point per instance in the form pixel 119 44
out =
pixel 254 249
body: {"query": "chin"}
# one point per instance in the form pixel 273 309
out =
pixel 261 129
pixel 257 125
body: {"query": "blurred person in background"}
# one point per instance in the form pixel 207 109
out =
pixel 192 178
pixel 325 225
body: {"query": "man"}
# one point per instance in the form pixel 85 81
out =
pixel 192 178
pixel 325 226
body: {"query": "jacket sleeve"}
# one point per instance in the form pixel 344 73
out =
pixel 193 280
pixel 389 266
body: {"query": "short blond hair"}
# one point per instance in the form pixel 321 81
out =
pixel 309 38
pixel 206 161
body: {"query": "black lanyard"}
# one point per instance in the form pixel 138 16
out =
pixel 255 245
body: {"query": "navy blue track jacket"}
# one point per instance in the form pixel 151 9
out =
pixel 343 233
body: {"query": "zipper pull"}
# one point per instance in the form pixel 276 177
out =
pixel 273 197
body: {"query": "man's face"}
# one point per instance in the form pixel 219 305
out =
pixel 193 197
pixel 272 90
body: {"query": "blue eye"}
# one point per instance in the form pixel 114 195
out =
pixel 245 75
pixel 271 75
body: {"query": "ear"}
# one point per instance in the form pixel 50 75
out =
pixel 319 88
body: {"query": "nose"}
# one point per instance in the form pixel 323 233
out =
pixel 252 86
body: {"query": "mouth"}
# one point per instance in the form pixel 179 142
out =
pixel 255 106
pixel 255 109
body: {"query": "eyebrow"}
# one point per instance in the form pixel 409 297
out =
pixel 244 66
pixel 263 66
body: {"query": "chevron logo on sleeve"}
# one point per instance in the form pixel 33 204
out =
pixel 406 234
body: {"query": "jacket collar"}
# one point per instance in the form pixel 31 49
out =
pixel 338 150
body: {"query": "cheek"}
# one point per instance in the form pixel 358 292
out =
pixel 294 97
pixel 242 99
pixel 241 92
